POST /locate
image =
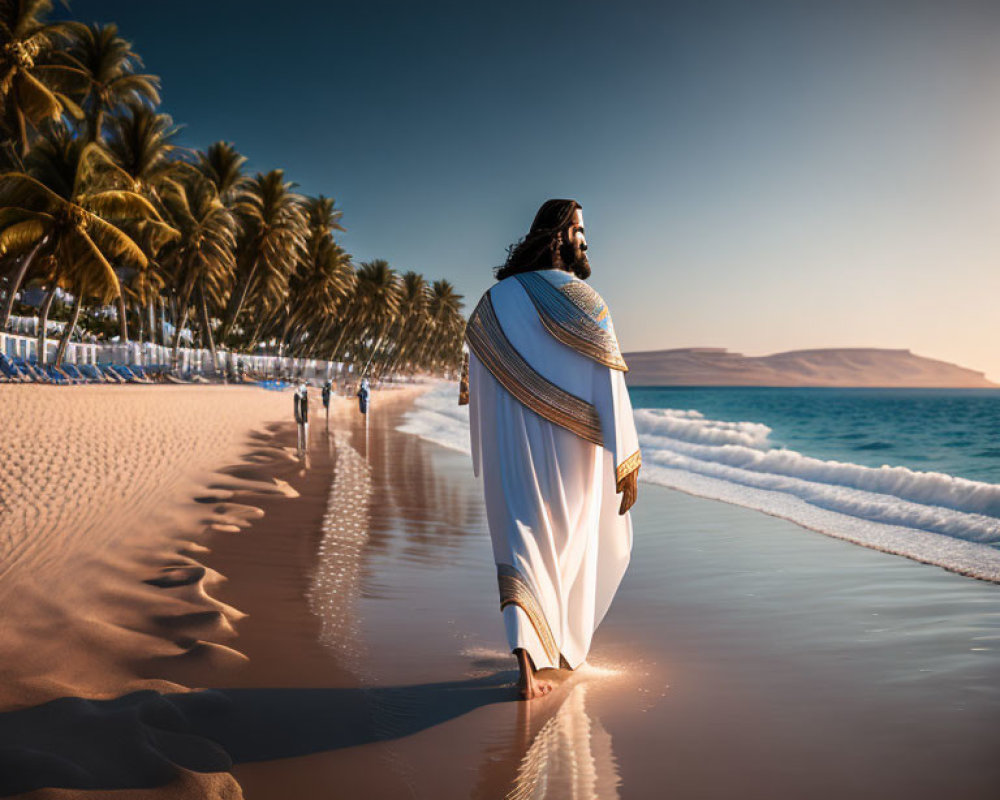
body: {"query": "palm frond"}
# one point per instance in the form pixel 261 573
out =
pixel 35 100
pixel 22 190
pixel 118 203
pixel 107 275
pixel 114 241
pixel 21 236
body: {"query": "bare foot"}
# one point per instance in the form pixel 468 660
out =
pixel 529 686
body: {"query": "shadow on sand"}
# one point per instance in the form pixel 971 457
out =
pixel 140 739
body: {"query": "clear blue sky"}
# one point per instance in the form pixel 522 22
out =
pixel 761 176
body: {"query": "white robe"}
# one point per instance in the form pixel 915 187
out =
pixel 550 495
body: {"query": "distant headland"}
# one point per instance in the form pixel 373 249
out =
pixel 847 366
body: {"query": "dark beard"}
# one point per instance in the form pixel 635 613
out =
pixel 574 260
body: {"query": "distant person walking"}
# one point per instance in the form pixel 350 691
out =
pixel 302 416
pixel 364 395
pixel 327 390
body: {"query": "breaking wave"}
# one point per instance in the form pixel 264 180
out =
pixel 929 516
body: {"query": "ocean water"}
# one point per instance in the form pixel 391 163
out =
pixel 952 431
pixel 915 472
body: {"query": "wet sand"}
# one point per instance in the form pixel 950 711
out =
pixel 743 656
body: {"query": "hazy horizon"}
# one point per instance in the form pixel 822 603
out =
pixel 760 177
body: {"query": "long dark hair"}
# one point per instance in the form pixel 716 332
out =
pixel 535 251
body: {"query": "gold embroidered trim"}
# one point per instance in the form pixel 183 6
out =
pixel 586 298
pixel 597 352
pixel 463 384
pixel 573 314
pixel 630 464
pixel 514 590
pixel 487 340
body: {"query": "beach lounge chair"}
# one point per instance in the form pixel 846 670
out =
pixel 110 375
pixel 54 375
pixel 155 374
pixel 10 371
pixel 140 374
pixel 62 371
pixel 22 367
pixel 74 372
pixel 129 374
pixel 91 373
pixel 31 371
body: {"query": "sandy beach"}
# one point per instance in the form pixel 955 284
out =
pixel 192 611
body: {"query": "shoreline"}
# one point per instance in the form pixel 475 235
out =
pixel 927 516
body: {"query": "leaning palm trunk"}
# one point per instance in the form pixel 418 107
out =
pixel 404 356
pixel 151 320
pixel 375 347
pixel 336 348
pixel 180 319
pixel 320 336
pixel 240 299
pixel 74 317
pixel 421 354
pixel 206 328
pixel 339 346
pixel 177 339
pixel 252 344
pixel 161 309
pixel 15 284
pixel 43 324
pixel 123 323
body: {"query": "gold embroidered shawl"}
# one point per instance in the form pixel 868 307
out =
pixel 490 344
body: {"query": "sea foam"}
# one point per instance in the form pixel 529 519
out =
pixel 931 517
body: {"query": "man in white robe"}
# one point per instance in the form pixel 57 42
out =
pixel 554 439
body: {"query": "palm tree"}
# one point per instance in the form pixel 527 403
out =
pixel 444 309
pixel 109 64
pixel 141 150
pixel 317 299
pixel 273 237
pixel 223 165
pixel 321 281
pixel 122 210
pixel 57 207
pixel 378 299
pixel 201 259
pixel 32 89
pixel 141 156
pixel 412 323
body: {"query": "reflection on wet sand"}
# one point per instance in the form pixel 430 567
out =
pixel 556 751
pixel 570 758
pixel 412 503
pixel 336 578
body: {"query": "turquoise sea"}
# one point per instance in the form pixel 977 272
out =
pixel 952 431
pixel 914 472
